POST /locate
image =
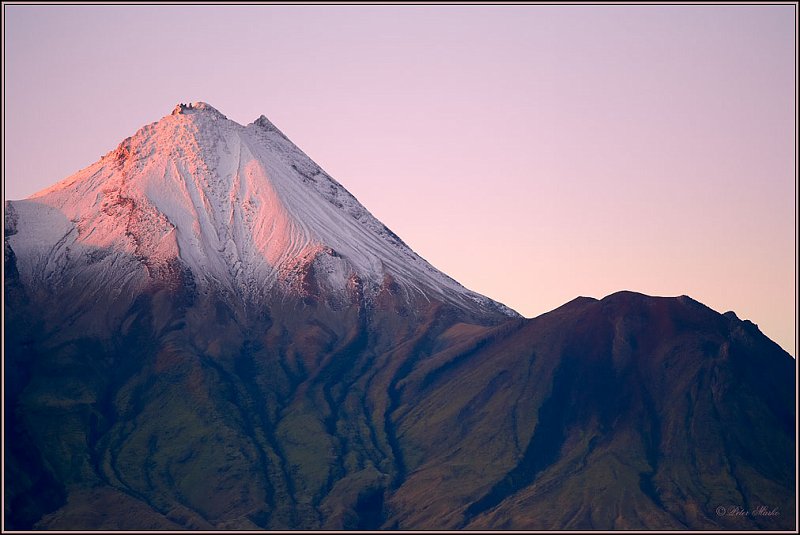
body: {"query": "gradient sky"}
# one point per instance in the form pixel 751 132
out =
pixel 534 153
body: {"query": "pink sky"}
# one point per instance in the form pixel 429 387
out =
pixel 534 153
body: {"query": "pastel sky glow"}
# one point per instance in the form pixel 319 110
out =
pixel 534 153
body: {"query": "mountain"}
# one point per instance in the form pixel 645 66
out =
pixel 206 331
pixel 240 211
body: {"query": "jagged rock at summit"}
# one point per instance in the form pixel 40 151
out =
pixel 206 331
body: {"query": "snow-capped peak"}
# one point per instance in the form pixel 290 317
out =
pixel 241 207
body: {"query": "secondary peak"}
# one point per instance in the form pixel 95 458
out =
pixel 265 124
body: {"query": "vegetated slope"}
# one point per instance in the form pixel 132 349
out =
pixel 626 413
pixel 189 414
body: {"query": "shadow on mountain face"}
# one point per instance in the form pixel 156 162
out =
pixel 627 413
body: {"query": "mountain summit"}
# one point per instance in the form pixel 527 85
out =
pixel 240 209
pixel 203 330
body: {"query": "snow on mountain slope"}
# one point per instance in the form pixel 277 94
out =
pixel 241 207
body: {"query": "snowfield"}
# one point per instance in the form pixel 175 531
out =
pixel 241 207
